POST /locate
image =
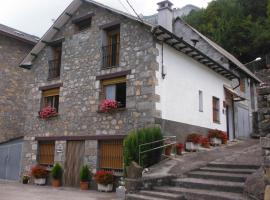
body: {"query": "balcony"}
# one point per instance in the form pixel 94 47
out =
pixel 54 68
pixel 110 56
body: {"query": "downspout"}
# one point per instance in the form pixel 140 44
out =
pixel 162 61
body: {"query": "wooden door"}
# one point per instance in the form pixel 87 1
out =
pixel 74 161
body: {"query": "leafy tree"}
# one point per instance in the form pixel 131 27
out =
pixel 240 26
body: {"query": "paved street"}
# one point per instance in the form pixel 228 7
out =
pixel 16 191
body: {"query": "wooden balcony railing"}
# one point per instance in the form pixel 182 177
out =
pixel 110 55
pixel 54 68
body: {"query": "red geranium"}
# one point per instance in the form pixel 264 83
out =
pixel 194 138
pixel 218 134
pixel 107 105
pixel 47 112
pixel 39 172
pixel 205 142
pixel 104 177
pixel 180 146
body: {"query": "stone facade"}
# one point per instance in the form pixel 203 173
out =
pixel 80 94
pixel 13 83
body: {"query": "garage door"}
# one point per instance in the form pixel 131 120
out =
pixel 10 160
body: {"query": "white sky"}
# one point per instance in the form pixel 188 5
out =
pixel 35 16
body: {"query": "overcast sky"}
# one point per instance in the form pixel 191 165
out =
pixel 36 16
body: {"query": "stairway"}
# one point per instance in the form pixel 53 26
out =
pixel 216 181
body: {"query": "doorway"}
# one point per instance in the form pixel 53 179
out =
pixel 74 161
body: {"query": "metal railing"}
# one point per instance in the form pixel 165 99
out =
pixel 168 141
pixel 54 68
pixel 110 55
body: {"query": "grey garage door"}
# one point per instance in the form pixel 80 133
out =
pixel 10 160
pixel 243 125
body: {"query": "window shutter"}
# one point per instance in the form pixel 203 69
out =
pixel 52 92
pixel 46 153
pixel 114 81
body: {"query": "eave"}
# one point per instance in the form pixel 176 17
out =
pixel 165 36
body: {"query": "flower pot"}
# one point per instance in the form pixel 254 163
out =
pixel 179 151
pixel 84 185
pixel 105 188
pixel 168 150
pixel 190 146
pixel 56 183
pixel 40 181
pixel 215 141
pixel 25 181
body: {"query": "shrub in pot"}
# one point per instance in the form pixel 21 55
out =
pixel 85 177
pixel 217 137
pixel 205 142
pixel 40 174
pixel 193 142
pixel 105 180
pixel 56 173
pixel 179 148
pixel 25 179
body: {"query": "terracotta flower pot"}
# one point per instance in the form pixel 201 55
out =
pixel 56 183
pixel 168 150
pixel 179 151
pixel 84 185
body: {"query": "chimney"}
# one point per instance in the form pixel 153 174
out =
pixel 165 14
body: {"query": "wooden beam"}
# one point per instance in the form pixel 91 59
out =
pixel 58 29
pixel 68 14
pixel 33 54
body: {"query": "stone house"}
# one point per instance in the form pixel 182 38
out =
pixel 165 73
pixel 14 46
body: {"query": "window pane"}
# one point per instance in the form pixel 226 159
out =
pixel 121 94
pixel 110 91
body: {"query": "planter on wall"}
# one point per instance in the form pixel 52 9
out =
pixel 40 181
pixel 190 146
pixel 215 141
pixel 105 188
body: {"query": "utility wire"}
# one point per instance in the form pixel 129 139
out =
pixel 124 6
pixel 134 11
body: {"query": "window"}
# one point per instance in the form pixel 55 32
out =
pixel 46 153
pixel 115 89
pixel 83 25
pixel 242 85
pixel 216 110
pixel 111 47
pixel 200 101
pixel 50 98
pixel 55 61
pixel 111 154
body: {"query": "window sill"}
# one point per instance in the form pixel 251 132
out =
pixel 52 117
pixel 112 67
pixel 54 79
pixel 113 111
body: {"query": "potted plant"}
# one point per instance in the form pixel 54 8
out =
pixel 223 137
pixel 85 177
pixel 179 148
pixel 25 179
pixel 205 142
pixel 104 180
pixel 40 174
pixel 47 112
pixel 168 150
pixel 107 105
pixel 193 142
pixel 214 137
pixel 56 173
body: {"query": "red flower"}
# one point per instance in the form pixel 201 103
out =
pixel 218 134
pixel 180 146
pixel 104 177
pixel 194 138
pixel 108 104
pixel 205 142
pixel 47 112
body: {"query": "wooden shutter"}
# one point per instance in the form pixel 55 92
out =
pixel 215 109
pixel 111 154
pixel 52 92
pixel 46 153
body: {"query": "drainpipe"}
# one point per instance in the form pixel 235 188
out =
pixel 162 61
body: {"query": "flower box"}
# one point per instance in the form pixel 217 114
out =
pixel 105 188
pixel 190 146
pixel 40 181
pixel 215 141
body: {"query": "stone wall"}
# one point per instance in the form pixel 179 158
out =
pixel 80 93
pixel 12 87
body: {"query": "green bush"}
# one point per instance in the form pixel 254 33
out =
pixel 57 172
pixel 85 174
pixel 142 136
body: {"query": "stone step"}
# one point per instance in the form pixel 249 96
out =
pixel 218 176
pixel 211 185
pixel 142 197
pixel 226 170
pixel 199 194
pixel 162 194
pixel 232 166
